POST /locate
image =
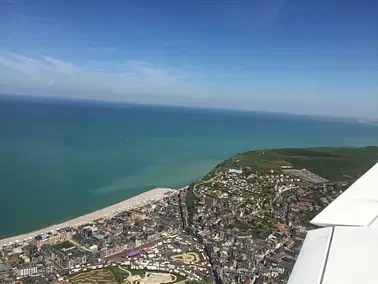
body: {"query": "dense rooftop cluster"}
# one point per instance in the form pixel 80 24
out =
pixel 144 238
pixel 254 223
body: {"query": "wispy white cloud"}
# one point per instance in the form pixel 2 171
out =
pixel 61 66
pixel 131 78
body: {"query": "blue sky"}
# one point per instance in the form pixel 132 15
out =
pixel 300 56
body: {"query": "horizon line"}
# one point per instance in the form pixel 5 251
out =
pixel 39 98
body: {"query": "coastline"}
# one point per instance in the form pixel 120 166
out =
pixel 130 203
pixel 56 168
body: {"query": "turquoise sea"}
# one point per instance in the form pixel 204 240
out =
pixel 61 159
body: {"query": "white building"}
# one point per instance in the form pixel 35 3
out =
pixel 93 248
pixel 236 171
pixel 27 269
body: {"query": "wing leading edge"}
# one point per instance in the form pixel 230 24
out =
pixel 339 255
pixel 346 250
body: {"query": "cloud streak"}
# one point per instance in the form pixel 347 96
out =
pixel 131 78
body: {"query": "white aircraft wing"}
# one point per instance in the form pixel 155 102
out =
pixel 313 255
pixel 345 251
pixel 357 206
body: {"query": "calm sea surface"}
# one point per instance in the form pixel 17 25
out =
pixel 62 159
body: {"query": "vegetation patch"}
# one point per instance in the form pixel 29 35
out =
pixel 188 257
pixel 332 163
pixel 64 245
pixel 100 276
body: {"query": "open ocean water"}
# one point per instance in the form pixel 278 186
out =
pixel 61 159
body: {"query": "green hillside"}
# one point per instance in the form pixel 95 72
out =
pixel 333 163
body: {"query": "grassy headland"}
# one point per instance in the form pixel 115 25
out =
pixel 332 163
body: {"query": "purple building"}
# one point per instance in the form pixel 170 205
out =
pixel 133 253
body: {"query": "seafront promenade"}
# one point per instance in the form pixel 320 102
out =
pixel 133 202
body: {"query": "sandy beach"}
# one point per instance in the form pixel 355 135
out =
pixel 133 202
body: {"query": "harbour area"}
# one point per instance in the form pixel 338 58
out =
pixel 128 204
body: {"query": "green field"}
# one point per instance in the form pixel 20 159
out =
pixel 109 275
pixel 100 276
pixel 117 272
pixel 64 245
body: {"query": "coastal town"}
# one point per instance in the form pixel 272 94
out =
pixel 254 223
pixel 142 242
pixel 237 226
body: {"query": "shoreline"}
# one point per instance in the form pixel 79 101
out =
pixel 139 200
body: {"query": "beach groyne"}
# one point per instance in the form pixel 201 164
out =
pixel 131 203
